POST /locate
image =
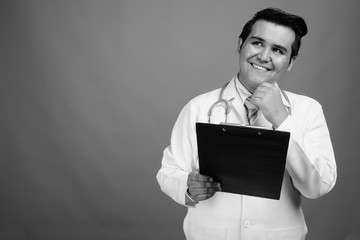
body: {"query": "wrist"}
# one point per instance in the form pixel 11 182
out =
pixel 279 119
pixel 189 199
pixel 188 194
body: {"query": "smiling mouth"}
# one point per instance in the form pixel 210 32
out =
pixel 260 68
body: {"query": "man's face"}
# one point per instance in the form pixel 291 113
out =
pixel 265 54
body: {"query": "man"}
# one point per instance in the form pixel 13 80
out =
pixel 267 46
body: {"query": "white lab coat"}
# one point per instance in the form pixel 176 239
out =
pixel 310 172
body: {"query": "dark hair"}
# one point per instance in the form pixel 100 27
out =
pixel 279 17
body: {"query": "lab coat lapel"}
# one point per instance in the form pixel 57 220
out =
pixel 237 110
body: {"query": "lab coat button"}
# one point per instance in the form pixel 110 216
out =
pixel 247 223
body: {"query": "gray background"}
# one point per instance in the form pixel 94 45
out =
pixel 90 91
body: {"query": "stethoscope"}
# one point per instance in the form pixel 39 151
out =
pixel 227 103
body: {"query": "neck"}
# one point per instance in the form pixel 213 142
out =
pixel 247 87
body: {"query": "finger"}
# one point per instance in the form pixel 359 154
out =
pixel 196 190
pixel 202 184
pixel 256 96
pixel 212 184
pixel 193 176
pixel 267 84
pixel 204 191
pixel 264 93
pixel 267 87
pixel 196 176
pixel 199 191
pixel 260 91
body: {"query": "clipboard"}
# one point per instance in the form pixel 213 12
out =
pixel 245 160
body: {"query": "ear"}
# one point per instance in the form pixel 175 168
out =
pixel 291 64
pixel 240 42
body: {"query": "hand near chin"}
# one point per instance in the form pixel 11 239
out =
pixel 268 98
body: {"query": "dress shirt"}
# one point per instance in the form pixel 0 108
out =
pixel 310 172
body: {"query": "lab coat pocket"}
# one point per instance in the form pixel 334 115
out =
pixel 199 231
pixel 294 233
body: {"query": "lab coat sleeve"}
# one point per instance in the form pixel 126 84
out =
pixel 310 160
pixel 180 157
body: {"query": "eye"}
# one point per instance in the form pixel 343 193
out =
pixel 257 43
pixel 278 51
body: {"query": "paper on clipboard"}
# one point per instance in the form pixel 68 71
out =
pixel 245 160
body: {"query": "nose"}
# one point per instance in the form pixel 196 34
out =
pixel 264 55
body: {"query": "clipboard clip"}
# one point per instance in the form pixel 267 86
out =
pixel 242 125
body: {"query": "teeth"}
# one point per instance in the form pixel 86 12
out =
pixel 259 67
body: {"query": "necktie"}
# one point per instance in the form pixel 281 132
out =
pixel 252 111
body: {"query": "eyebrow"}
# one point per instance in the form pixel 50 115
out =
pixel 275 45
